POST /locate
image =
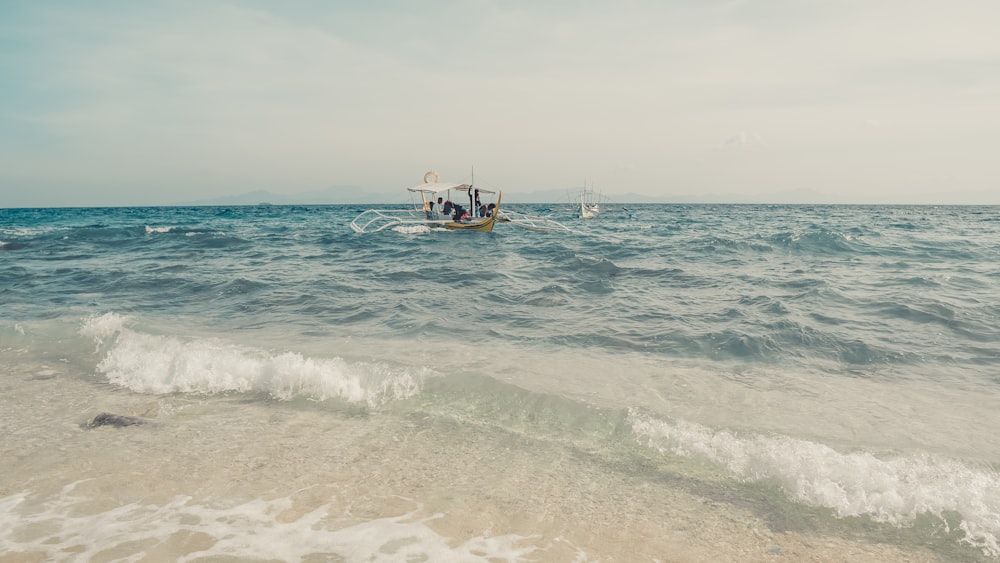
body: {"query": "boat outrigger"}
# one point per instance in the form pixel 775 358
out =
pixel 437 209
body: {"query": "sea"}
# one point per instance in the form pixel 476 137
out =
pixel 660 383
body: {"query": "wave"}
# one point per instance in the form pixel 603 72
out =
pixel 101 233
pixel 783 342
pixel 893 489
pixel 209 233
pixel 148 363
pixel 949 499
pixel 819 241
pixel 185 231
pixel 931 495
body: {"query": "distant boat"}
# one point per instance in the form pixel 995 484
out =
pixel 590 202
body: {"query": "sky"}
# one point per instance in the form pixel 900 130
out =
pixel 158 102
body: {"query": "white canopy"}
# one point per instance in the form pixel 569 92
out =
pixel 436 187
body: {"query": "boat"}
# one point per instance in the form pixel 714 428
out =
pixel 591 202
pixel 443 206
pixel 436 209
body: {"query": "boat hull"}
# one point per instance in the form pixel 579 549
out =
pixel 479 226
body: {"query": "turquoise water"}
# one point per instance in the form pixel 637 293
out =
pixel 802 381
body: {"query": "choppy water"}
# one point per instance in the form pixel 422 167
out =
pixel 696 383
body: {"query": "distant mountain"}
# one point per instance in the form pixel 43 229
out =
pixel 249 198
pixel 330 196
pixel 959 198
pixel 571 195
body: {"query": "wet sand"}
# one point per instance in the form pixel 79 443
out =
pixel 209 475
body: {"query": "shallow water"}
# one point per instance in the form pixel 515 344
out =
pixel 724 383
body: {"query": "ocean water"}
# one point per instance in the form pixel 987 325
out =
pixel 693 383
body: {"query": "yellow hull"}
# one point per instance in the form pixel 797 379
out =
pixel 482 226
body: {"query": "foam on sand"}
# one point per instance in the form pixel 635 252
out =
pixel 183 530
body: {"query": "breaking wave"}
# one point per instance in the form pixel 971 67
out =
pixel 891 489
pixel 147 363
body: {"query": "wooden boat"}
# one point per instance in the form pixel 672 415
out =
pixel 436 209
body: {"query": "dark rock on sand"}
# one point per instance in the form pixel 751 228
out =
pixel 116 420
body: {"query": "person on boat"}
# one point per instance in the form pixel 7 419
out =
pixel 461 214
pixel 482 211
pixel 478 203
pixel 448 208
pixel 490 209
pixel 440 206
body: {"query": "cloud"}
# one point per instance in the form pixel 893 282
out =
pixel 297 96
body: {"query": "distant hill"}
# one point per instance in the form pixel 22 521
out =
pixel 330 196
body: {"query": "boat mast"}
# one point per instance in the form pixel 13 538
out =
pixel 472 186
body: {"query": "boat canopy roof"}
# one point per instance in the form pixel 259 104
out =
pixel 435 187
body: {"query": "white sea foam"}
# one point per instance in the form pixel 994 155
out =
pixel 148 363
pixel 27 232
pixel 412 229
pixel 185 530
pixel 152 230
pixel 892 489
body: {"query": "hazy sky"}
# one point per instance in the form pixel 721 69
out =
pixel 129 102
